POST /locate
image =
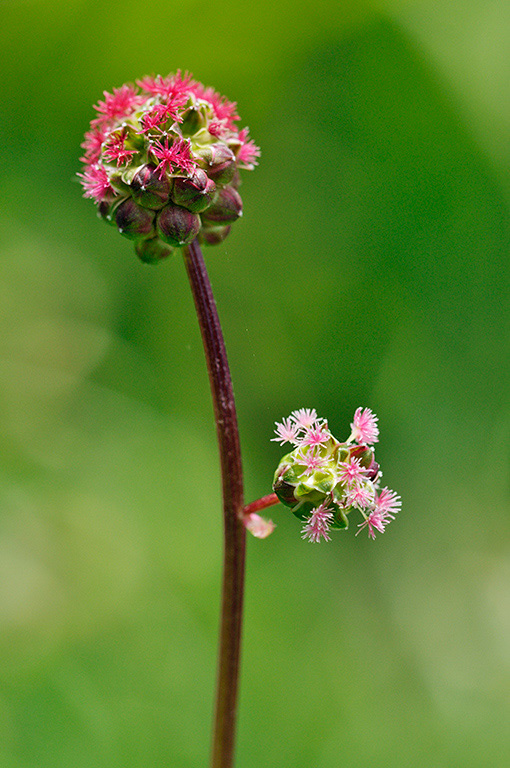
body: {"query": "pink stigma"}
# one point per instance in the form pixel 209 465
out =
pixel 286 432
pixel 364 427
pixel 318 524
pixel 351 471
pixel 305 417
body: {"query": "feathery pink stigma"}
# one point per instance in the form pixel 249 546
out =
pixel 311 459
pixel 304 417
pixel 96 183
pixel 364 426
pixel 318 524
pixel 388 503
pixel 351 471
pixel 286 432
pixel 316 435
pixel 178 155
pixel 258 526
pixel 248 152
pixel 115 149
pixel 223 109
pixel 374 522
pixel 167 87
pixel 118 104
pixel 153 119
pixel 93 145
pixel 359 496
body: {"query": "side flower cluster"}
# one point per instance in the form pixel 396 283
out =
pixel 162 162
pixel 323 480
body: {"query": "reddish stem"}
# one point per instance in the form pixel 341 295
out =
pixel 266 501
pixel 233 506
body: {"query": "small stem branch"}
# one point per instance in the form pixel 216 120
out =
pixel 266 501
pixel 233 505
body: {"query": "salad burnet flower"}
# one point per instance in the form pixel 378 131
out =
pixel 323 480
pixel 162 161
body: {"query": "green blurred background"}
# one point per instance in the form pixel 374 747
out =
pixel 370 268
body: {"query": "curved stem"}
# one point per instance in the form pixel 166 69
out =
pixel 233 505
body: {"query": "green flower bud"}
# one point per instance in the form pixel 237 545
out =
pixel 152 250
pixel 133 221
pixel 149 189
pixel 178 226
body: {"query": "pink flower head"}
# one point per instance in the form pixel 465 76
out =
pixel 305 417
pixel 114 149
pixel 318 525
pixel 374 522
pixel 386 506
pixel 248 152
pixel 223 109
pixel 286 432
pixel 311 459
pixel 178 155
pixel 170 87
pixel 351 471
pixel 364 427
pixel 316 435
pixel 96 183
pixel 360 496
pixel 93 145
pixel 118 104
pixel 184 150
pixel 388 503
pixel 258 526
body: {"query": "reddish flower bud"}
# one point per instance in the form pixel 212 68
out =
pixel 195 193
pixel 226 208
pixel 177 225
pixel 132 220
pixel 148 189
pixel 220 163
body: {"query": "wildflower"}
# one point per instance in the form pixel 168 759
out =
pixel 177 156
pixel 318 525
pixel 170 144
pixel 388 503
pixel 305 417
pixel 351 471
pixel 364 427
pixel 323 480
pixel 286 432
pixel 311 460
pixel 316 435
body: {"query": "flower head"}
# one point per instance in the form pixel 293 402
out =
pixel 318 525
pixel 170 131
pixel 364 427
pixel 324 480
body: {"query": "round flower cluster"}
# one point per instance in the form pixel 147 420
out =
pixel 162 162
pixel 323 480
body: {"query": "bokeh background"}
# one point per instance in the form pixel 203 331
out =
pixel 370 268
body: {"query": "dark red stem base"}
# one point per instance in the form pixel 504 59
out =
pixel 233 507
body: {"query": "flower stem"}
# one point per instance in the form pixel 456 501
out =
pixel 263 503
pixel 233 505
